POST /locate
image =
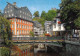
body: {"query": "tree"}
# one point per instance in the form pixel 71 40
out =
pixel 1 14
pixel 70 10
pixel 32 33
pixel 51 15
pixel 40 20
pixel 77 22
pixel 46 16
pixel 36 14
pixel 43 15
pixel 5 32
pixel 5 51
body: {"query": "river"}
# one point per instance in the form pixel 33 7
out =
pixel 49 52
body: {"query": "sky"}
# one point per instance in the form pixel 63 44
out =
pixel 33 5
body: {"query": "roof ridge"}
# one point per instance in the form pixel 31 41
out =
pixel 13 5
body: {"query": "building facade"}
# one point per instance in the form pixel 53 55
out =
pixel 21 20
pixel 56 27
pixel 38 29
pixel 47 28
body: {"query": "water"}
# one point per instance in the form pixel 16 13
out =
pixel 49 52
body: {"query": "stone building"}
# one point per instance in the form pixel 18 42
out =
pixel 21 20
pixel 38 29
pixel 47 28
pixel 56 27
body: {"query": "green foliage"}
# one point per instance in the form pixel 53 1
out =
pixel 36 14
pixel 70 10
pixel 5 32
pixel 1 14
pixel 51 15
pixel 40 20
pixel 5 51
pixel 43 15
pixel 32 33
pixel 77 22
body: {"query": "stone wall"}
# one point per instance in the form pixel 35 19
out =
pixel 72 49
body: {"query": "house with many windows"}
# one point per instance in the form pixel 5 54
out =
pixel 56 27
pixel 47 28
pixel 38 29
pixel 21 20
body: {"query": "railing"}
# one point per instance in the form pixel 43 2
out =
pixel 37 38
pixel 76 39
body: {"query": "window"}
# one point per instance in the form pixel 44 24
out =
pixel 17 32
pixel 5 11
pixel 11 10
pixel 9 15
pixel 27 31
pixel 59 26
pixel 12 25
pixel 12 32
pixel 17 25
pixel 20 11
pixel 12 20
pixel 8 11
pixel 17 20
pixel 55 26
pixel 12 14
pixel 20 15
pixel 27 14
pixel 22 26
pixel 25 17
pixel 20 31
pixel 27 22
pixel 20 21
pixel 23 12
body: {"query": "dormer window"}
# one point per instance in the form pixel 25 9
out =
pixel 20 15
pixel 11 10
pixel 23 12
pixel 12 14
pixel 5 11
pixel 20 11
pixel 9 15
pixel 8 11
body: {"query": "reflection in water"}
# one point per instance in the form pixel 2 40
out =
pixel 49 52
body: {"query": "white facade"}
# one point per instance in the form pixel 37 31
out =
pixel 47 26
pixel 38 30
pixel 57 27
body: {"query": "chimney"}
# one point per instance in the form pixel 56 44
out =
pixel 14 3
